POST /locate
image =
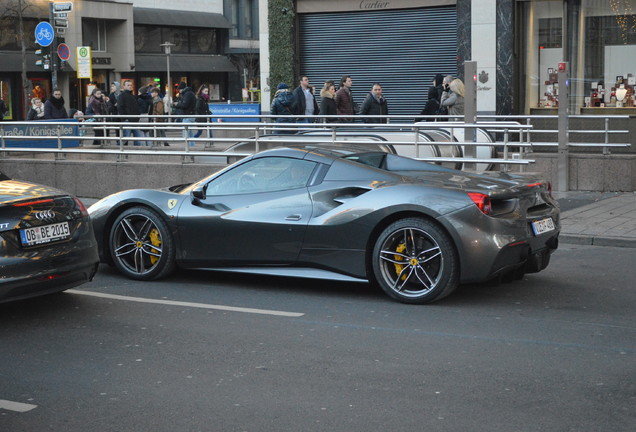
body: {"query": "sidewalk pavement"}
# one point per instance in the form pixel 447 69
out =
pixel 587 218
pixel 592 218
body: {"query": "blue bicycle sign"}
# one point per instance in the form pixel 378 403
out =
pixel 44 34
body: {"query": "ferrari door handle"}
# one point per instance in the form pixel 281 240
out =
pixel 294 217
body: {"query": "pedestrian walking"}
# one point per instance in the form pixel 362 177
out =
pixel 54 106
pixel 283 104
pixel 144 101
pixel 453 97
pixel 375 104
pixel 432 106
pixel 3 109
pixel 304 101
pixel 157 109
pixel 344 100
pixel 127 105
pixel 202 107
pixel 37 110
pixel 328 102
pixel 99 107
pixel 186 105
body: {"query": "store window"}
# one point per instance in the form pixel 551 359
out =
pixel 601 51
pixel 196 41
pixel 94 34
pixel 10 31
pixel 243 15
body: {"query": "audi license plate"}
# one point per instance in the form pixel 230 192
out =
pixel 44 234
pixel 543 226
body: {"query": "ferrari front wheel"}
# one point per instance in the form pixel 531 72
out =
pixel 141 245
pixel 414 261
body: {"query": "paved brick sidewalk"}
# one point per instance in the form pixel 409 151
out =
pixel 607 222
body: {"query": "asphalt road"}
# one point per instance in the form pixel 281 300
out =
pixel 218 352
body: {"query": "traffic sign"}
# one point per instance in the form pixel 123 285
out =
pixel 61 22
pixel 44 34
pixel 84 62
pixel 62 7
pixel 63 52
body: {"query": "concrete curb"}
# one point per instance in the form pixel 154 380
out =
pixel 597 241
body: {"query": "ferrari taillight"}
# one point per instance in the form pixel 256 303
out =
pixel 482 201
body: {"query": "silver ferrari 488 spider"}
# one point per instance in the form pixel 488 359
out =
pixel 415 229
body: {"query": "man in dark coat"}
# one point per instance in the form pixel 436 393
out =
pixel 375 104
pixel 3 109
pixel 305 101
pixel 187 104
pixel 127 105
pixel 54 107
pixel 344 99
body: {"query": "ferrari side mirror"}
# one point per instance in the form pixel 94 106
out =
pixel 198 192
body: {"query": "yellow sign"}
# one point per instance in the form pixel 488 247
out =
pixel 172 203
pixel 84 62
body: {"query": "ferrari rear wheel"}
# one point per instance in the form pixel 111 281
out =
pixel 414 261
pixel 141 244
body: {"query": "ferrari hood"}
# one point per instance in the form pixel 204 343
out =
pixel 15 190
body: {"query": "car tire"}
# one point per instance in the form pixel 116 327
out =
pixel 141 245
pixel 414 261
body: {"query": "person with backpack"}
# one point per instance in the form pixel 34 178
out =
pixel 283 104
pixel 187 105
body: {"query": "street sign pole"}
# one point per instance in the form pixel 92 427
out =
pixel 563 159
pixel 53 49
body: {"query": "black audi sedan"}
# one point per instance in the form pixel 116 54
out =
pixel 47 243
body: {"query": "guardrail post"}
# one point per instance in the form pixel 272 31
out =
pixel 59 155
pixel 2 141
pixel 606 150
pixel 417 141
pixel 505 146
pixel 256 143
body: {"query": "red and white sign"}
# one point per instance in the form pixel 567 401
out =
pixel 63 52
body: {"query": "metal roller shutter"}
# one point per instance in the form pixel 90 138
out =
pixel 400 49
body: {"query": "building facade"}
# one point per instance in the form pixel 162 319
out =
pixel 125 39
pixel 517 44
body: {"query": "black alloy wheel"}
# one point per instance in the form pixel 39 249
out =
pixel 414 261
pixel 141 245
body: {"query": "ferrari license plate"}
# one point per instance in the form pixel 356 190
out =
pixel 543 226
pixel 44 234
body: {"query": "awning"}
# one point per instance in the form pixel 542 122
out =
pixel 183 63
pixel 170 17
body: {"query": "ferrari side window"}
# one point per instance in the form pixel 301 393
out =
pixel 263 175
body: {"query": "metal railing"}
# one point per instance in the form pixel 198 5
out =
pixel 513 135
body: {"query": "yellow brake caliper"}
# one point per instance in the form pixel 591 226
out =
pixel 398 267
pixel 156 241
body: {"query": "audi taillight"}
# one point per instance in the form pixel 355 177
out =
pixel 82 207
pixel 32 203
pixel 482 201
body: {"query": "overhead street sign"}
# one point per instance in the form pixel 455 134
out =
pixel 44 34
pixel 62 7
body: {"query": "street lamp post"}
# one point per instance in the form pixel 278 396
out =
pixel 167 46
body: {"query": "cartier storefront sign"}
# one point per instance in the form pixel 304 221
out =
pixel 313 6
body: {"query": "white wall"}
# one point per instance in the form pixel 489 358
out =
pixel 484 52
pixel 210 6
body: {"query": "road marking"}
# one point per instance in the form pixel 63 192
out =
pixel 16 406
pixel 188 304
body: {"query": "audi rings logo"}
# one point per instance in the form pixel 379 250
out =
pixel 43 215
